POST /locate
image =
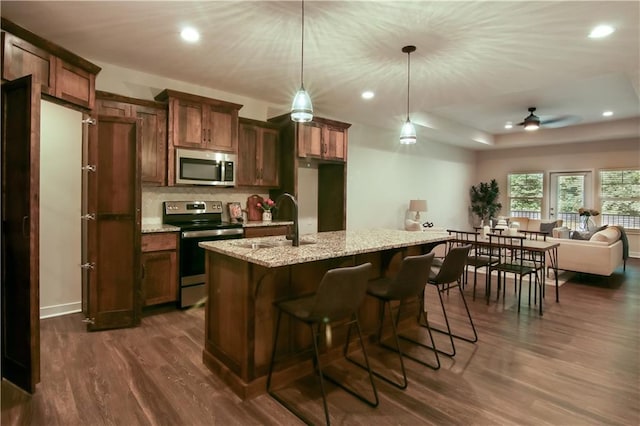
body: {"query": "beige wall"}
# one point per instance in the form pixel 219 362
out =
pixel 60 209
pixel 590 156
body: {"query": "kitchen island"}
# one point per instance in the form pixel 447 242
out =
pixel 245 277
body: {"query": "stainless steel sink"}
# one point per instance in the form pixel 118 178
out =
pixel 270 244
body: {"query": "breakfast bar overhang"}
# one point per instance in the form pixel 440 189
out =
pixel 245 277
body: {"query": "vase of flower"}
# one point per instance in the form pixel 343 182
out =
pixel 267 205
pixel 586 215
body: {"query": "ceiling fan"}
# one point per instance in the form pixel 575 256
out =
pixel 533 122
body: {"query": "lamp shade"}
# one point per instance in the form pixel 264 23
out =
pixel 301 108
pixel 408 133
pixel 418 205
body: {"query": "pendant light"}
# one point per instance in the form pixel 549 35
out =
pixel 408 133
pixel 301 108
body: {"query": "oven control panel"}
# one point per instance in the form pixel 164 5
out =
pixel 192 207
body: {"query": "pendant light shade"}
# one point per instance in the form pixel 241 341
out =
pixel 301 108
pixel 408 133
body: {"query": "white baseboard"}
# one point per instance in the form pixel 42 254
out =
pixel 634 254
pixel 63 309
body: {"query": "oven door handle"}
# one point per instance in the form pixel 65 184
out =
pixel 212 233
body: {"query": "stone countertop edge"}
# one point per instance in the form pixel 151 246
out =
pixel 158 227
pixel 327 245
pixel 258 223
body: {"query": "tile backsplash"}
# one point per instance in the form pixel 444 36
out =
pixel 152 198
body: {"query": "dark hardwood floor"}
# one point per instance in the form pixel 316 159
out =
pixel 577 365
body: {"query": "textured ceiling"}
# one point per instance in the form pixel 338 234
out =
pixel 477 64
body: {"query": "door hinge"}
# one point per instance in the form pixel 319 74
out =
pixel 89 120
pixel 88 216
pixel 88 265
pixel 89 168
pixel 88 320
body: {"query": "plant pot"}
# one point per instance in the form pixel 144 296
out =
pixel 266 216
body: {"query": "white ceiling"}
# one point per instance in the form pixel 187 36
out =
pixel 477 64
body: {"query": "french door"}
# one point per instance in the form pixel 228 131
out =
pixel 568 191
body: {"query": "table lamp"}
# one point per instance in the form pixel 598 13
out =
pixel 418 206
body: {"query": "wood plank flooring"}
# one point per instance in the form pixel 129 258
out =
pixel 577 365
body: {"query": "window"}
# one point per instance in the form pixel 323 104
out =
pixel 620 197
pixel 525 195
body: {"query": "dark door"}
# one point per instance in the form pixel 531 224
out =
pixel 113 236
pixel 20 233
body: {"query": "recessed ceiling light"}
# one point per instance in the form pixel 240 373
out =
pixel 601 31
pixel 508 125
pixel 607 113
pixel 190 34
pixel 368 94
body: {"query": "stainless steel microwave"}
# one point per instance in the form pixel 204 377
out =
pixel 198 167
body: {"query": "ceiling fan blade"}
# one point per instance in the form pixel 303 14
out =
pixel 560 121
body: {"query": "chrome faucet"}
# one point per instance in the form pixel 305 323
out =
pixel 295 235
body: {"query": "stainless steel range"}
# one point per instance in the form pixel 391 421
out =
pixel 198 221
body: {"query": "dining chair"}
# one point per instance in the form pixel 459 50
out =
pixel 407 284
pixel 479 257
pixel 338 298
pixel 449 276
pixel 518 260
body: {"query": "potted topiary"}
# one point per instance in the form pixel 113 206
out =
pixel 484 200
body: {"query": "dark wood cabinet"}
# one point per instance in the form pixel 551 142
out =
pixel 113 199
pixel 153 129
pixel 198 122
pixel 60 73
pixel 266 231
pixel 159 268
pixel 323 139
pixel 320 144
pixel 258 154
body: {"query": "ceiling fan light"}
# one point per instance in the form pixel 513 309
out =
pixel 532 125
pixel 408 133
pixel 301 108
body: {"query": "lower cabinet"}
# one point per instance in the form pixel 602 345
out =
pixel 266 231
pixel 159 268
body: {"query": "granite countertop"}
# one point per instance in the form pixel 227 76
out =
pixel 320 246
pixel 257 223
pixel 158 227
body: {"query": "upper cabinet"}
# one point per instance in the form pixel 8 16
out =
pixel 258 154
pixel 323 139
pixel 153 138
pixel 201 123
pixel 60 73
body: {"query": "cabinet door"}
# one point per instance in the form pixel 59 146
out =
pixel 153 142
pixel 74 84
pixel 310 140
pixel 335 143
pixel 268 158
pixel 266 231
pixel 114 108
pixel 21 58
pixel 159 283
pixel 221 130
pixel 113 238
pixel 247 167
pixel 188 125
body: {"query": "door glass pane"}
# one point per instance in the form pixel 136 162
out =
pixel 570 196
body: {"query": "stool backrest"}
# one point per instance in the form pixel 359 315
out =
pixel 341 292
pixel 453 265
pixel 412 277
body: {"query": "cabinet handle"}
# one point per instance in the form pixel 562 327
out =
pixel 88 216
pixel 89 168
pixel 209 135
pixel 88 265
pixel 25 226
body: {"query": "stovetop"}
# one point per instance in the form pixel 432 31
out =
pixel 195 215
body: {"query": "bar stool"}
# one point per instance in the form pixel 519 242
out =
pixel 450 276
pixel 409 282
pixel 339 296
